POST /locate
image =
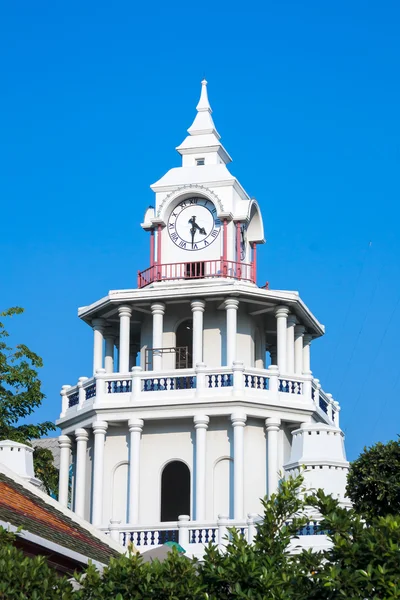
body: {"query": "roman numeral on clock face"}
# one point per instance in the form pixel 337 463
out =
pixel 193 224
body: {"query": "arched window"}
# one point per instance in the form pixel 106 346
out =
pixel 175 491
pixel 184 343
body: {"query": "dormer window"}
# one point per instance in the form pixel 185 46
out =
pixel 200 162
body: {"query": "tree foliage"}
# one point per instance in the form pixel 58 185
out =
pixel 20 395
pixel 362 563
pixel 22 577
pixel 374 480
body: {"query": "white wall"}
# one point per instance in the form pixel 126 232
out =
pixel 219 476
pixel 255 460
pixel 167 440
pixel 162 442
pixel 214 324
pixel 214 335
pixel 116 451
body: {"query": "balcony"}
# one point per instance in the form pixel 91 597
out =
pixel 193 536
pixel 186 386
pixel 207 269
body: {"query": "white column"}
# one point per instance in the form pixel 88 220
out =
pixel 99 430
pixel 125 313
pixel 109 357
pixel 65 456
pixel 135 432
pixel 238 424
pixel 158 310
pixel 273 425
pixel 281 313
pixel 298 349
pixel 291 322
pixel 231 307
pixel 82 437
pixel 306 353
pixel 201 425
pixel 98 328
pixel 197 307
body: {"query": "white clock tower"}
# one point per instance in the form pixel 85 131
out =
pixel 202 394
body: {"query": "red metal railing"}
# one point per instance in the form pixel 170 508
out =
pixel 197 270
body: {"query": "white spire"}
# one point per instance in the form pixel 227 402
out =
pixel 203 136
pixel 203 122
pixel 203 102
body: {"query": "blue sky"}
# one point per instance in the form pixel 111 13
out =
pixel 306 95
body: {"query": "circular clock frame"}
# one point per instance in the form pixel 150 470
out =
pixel 193 224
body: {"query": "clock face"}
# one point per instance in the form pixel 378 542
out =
pixel 193 224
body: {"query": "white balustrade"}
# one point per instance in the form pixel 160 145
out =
pixel 200 382
pixel 81 391
pixel 100 384
pixel 290 386
pixel 191 535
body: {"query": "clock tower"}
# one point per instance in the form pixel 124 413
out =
pixel 202 395
pixel 204 224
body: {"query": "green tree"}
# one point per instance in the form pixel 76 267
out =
pixel 22 577
pixel 364 560
pixel 362 563
pixel 20 395
pixel 374 480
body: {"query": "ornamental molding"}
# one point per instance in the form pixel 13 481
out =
pixel 187 188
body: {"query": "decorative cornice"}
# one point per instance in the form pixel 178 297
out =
pixel 186 188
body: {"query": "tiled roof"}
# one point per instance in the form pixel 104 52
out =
pixel 24 506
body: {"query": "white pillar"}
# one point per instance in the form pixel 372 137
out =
pixel 65 456
pixel 223 534
pixel 291 322
pixel 251 525
pixel 238 424
pixel 158 310
pixel 98 328
pixel 136 382
pixel 99 430
pixel 201 425
pixel 183 530
pixel 298 349
pixel 64 399
pixel 273 425
pixel 231 307
pixel 81 391
pixel 135 432
pixel 281 313
pixel 82 437
pixel 125 313
pixel 109 357
pixel 197 307
pixel 306 353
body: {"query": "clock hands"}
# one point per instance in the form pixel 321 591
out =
pixel 195 227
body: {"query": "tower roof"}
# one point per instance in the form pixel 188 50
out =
pixel 203 135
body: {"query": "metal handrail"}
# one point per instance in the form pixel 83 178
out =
pixel 197 270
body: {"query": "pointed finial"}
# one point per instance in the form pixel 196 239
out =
pixel 204 104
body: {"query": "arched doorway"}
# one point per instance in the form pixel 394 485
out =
pixel 184 343
pixel 175 491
